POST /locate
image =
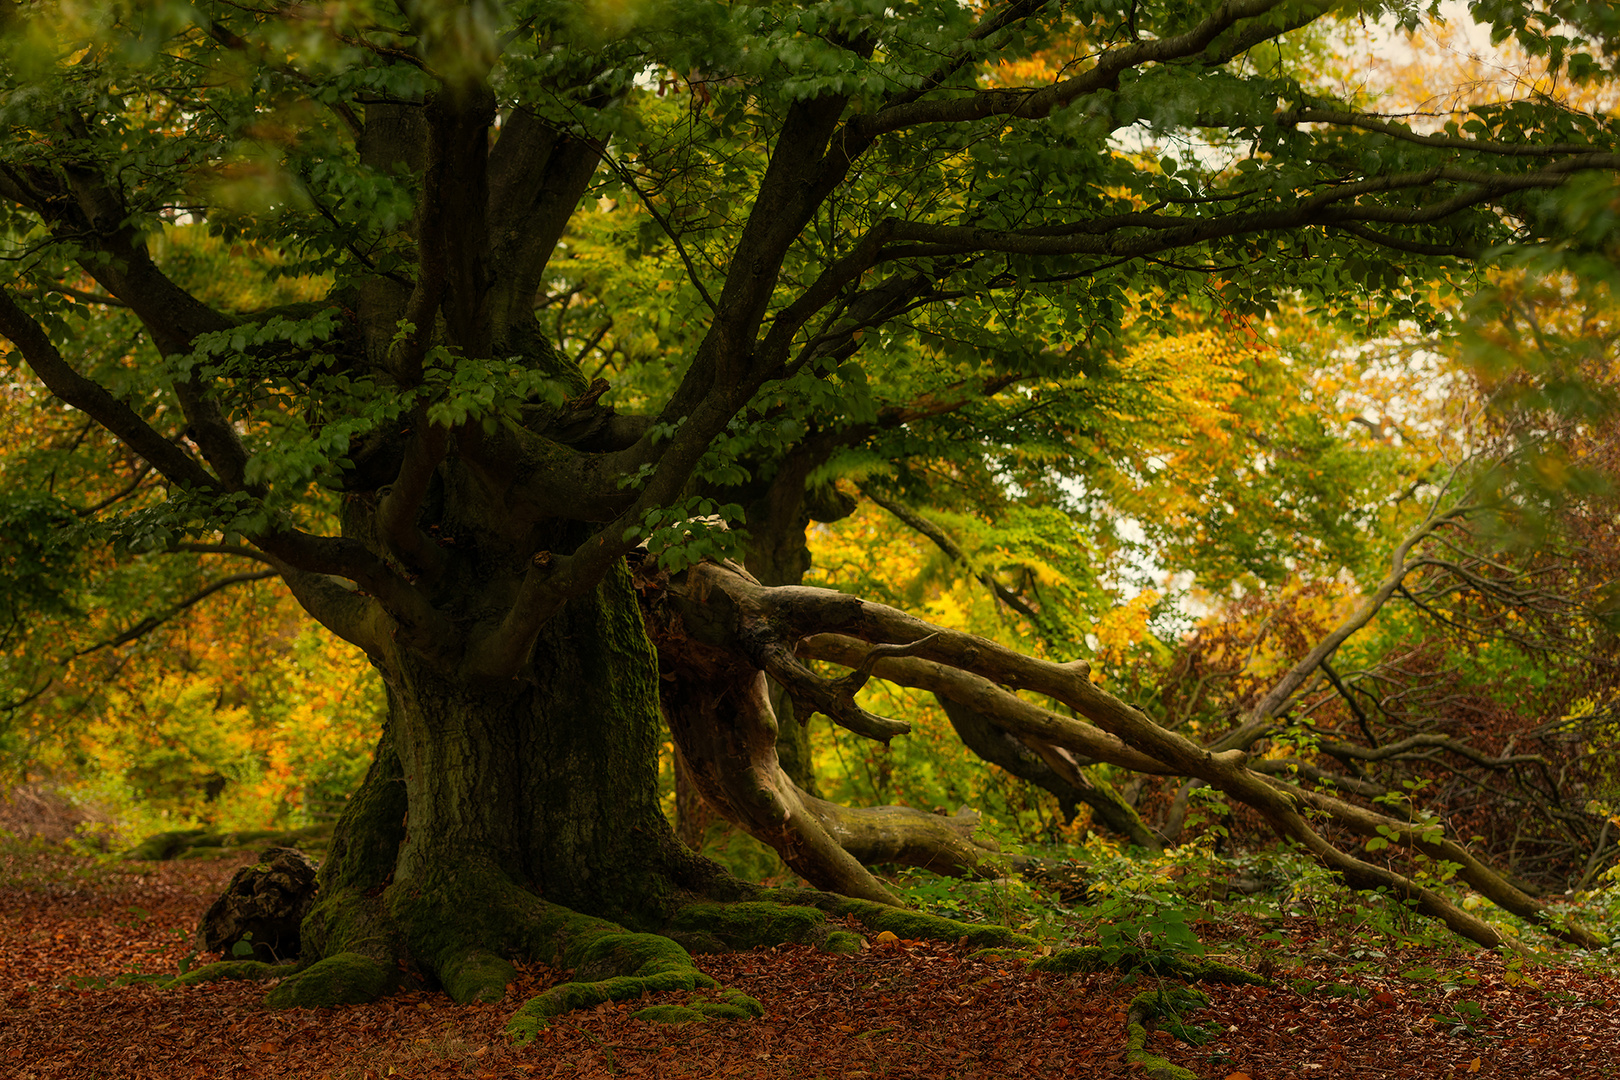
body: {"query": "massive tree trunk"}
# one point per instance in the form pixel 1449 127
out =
pixel 490 501
pixel 549 779
pixel 491 801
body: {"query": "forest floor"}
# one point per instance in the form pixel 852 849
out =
pixel 1342 1010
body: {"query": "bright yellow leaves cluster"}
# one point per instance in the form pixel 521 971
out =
pixel 243 714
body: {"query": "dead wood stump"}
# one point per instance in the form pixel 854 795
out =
pixel 264 906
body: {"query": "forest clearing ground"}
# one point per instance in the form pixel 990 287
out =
pixel 908 1009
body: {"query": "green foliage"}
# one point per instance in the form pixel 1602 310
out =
pixel 43 549
pixel 1102 341
pixel 1008 901
pixel 690 532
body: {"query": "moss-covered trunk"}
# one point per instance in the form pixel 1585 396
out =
pixel 490 803
pixel 550 779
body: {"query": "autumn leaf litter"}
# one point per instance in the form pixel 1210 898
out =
pixel 901 1009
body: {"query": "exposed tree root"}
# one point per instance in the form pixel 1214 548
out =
pixel 609 967
pixel 904 923
pixel 1162 1006
pixel 348 978
pixel 1168 1003
pixel 719 622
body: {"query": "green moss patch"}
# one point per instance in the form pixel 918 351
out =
pixel 537 1012
pixel 200 843
pixel 345 979
pixel 730 1005
pixel 1172 1000
pixel 637 955
pixel 477 975
pixel 345 920
pixel 753 924
pixel 1092 958
pixel 164 845
pixel 999 954
pixel 1152 1065
pixel 231 969
pixel 914 924
pixel 669 1014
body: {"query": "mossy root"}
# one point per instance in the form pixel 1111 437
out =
pixel 345 979
pixel 1166 1003
pixel 612 967
pixel 902 922
pixel 230 969
pixel 732 1005
pixel 476 975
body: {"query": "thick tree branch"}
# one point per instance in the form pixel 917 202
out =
pixel 78 203
pixel 537 177
pixel 94 401
pixel 1010 712
pixel 400 504
pixel 786 201
pixel 806 611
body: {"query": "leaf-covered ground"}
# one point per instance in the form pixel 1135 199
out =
pixel 69 925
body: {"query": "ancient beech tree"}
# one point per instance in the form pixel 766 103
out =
pixel 954 198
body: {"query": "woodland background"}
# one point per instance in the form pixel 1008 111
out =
pixel 1242 484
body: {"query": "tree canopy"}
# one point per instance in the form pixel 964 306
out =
pixel 524 342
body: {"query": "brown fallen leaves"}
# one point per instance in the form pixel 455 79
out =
pixel 901 1009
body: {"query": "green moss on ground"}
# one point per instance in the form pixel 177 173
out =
pixel 536 1014
pixel 668 1014
pixel 345 979
pixel 732 1005
pixel 230 969
pixel 611 967
pixel 1172 1000
pixel 1152 1065
pixel 905 923
pixel 1093 958
pixel 164 845
pixel 999 954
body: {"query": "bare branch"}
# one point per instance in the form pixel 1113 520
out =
pixel 152 622
pixel 1261 716
pixel 933 532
